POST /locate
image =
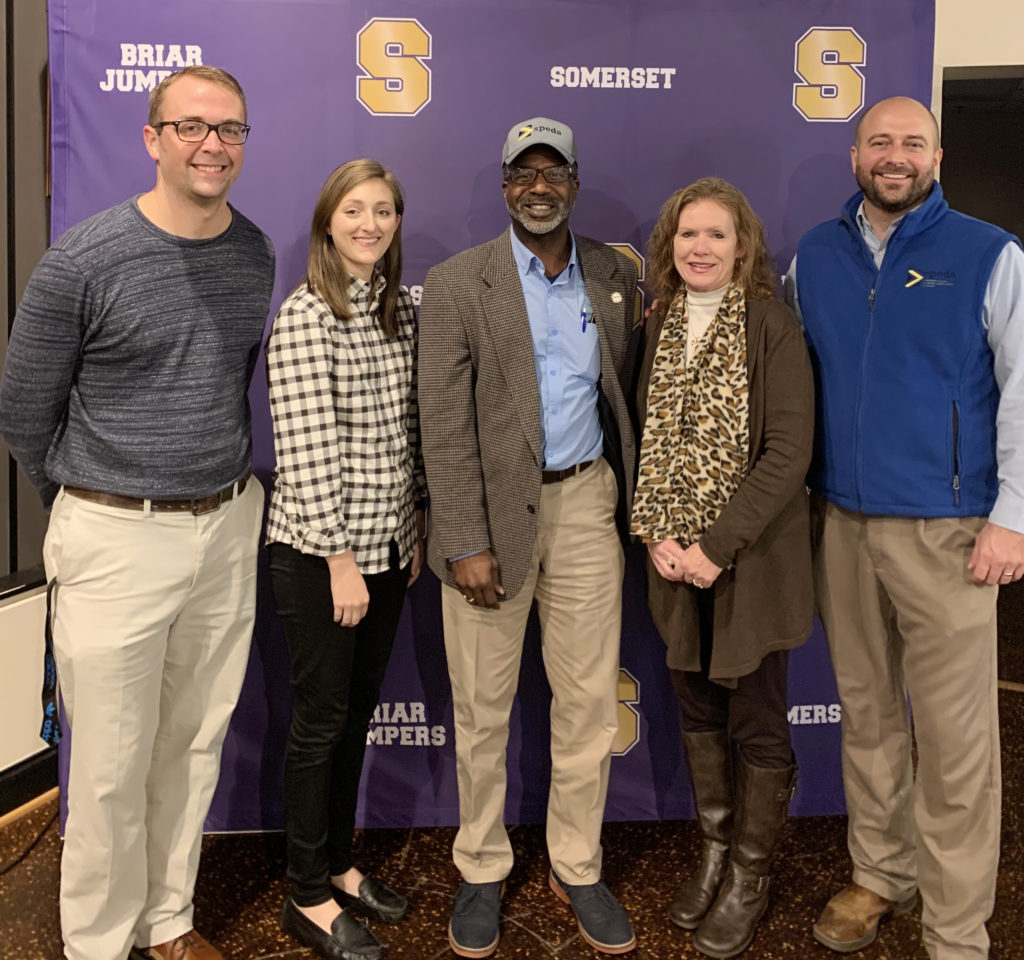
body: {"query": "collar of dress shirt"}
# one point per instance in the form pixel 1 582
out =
pixel 366 295
pixel 868 232
pixel 525 259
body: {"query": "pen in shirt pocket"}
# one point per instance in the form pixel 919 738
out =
pixel 586 315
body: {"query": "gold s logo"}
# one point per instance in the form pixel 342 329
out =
pixel 629 717
pixel 391 51
pixel 627 250
pixel 826 61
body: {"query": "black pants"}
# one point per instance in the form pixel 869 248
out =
pixel 753 713
pixel 336 676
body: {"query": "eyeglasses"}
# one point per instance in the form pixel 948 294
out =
pixel 525 176
pixel 196 131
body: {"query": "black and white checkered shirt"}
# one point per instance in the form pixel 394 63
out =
pixel 346 428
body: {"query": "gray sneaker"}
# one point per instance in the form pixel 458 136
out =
pixel 600 917
pixel 473 930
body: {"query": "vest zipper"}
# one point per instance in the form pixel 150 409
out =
pixel 860 397
pixel 956 455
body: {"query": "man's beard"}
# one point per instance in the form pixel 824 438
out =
pixel 559 213
pixel 916 189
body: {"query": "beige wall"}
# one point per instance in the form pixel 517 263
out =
pixel 21 676
pixel 974 33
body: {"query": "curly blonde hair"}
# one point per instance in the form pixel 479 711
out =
pixel 754 271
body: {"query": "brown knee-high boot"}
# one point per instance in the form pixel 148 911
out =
pixel 710 756
pixel 763 795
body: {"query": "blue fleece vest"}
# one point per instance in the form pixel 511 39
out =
pixel 906 395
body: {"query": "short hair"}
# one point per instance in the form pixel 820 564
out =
pixel 211 74
pixel 863 116
pixel 325 273
pixel 754 271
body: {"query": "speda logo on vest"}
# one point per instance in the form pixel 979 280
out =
pixel 930 278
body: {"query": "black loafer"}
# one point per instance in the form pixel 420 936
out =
pixel 348 940
pixel 600 917
pixel 473 931
pixel 376 900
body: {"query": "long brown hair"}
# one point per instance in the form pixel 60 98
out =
pixel 753 272
pixel 325 273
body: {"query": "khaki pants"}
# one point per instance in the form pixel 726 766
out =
pixel 903 618
pixel 576 579
pixel 152 618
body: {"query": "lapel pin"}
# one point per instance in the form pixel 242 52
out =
pixel 616 297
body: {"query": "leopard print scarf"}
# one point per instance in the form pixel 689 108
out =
pixel 696 436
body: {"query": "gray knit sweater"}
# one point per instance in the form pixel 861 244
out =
pixel 130 358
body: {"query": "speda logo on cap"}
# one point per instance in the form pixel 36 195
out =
pixel 526 130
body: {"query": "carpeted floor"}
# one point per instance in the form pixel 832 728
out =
pixel 241 882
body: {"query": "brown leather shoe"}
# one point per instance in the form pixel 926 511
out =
pixel 189 946
pixel 850 919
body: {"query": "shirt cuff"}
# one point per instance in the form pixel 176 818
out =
pixel 462 556
pixel 1008 512
pixel 320 545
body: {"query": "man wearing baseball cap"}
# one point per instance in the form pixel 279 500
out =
pixel 529 450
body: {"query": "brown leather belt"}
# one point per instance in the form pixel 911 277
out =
pixel 197 506
pixel 557 476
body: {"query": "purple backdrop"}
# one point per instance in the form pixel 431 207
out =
pixel 658 93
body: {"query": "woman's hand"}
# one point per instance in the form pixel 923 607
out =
pixel 668 558
pixel 419 548
pixel 697 568
pixel 348 589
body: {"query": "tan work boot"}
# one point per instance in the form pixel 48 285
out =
pixel 850 919
pixel 189 946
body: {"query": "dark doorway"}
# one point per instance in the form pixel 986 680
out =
pixel 983 175
pixel 983 142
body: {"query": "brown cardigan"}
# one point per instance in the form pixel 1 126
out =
pixel 764 596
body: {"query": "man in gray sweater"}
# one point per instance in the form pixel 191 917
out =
pixel 124 400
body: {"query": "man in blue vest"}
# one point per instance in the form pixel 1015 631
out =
pixel 914 315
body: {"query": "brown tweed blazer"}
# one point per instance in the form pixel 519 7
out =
pixel 479 402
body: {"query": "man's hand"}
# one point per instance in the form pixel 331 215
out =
pixel 648 312
pixel 477 579
pixel 667 557
pixel 348 589
pixel 998 556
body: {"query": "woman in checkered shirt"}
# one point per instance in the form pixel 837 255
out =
pixel 345 534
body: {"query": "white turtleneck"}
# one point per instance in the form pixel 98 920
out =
pixel 701 311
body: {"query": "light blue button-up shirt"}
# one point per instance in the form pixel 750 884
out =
pixel 567 352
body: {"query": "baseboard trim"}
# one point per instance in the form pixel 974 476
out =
pixel 25 781
pixel 26 808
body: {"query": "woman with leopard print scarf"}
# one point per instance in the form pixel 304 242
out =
pixel 726 401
